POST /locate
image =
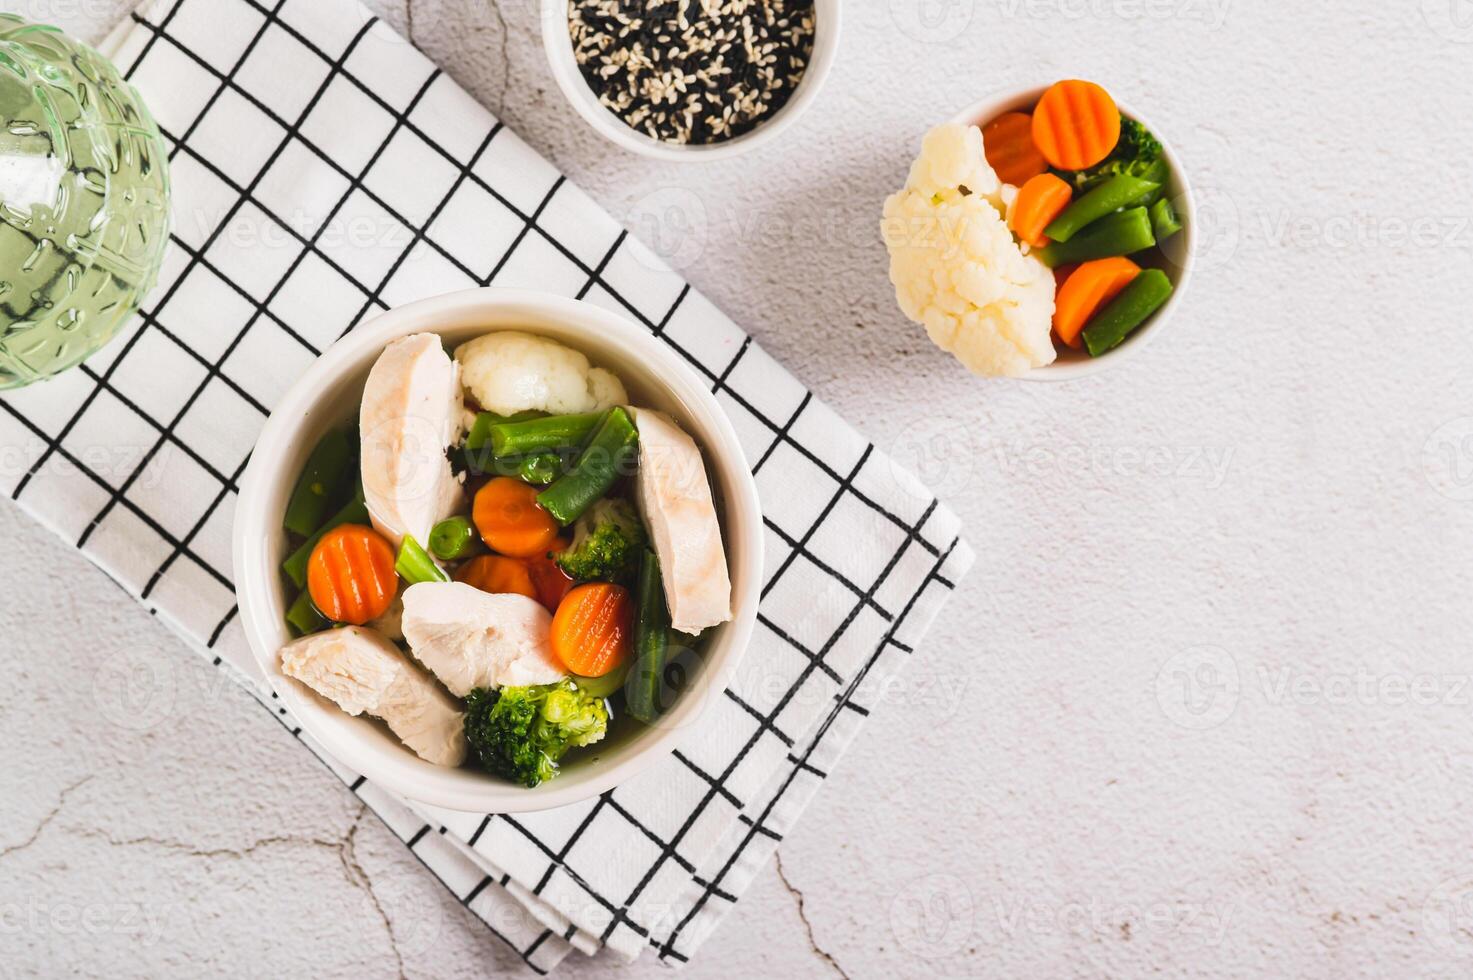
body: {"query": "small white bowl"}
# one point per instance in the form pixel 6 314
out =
pixel 328 394
pixel 559 44
pixel 1179 250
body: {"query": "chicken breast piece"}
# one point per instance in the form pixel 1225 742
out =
pixel 411 413
pixel 470 639
pixel 362 672
pixel 675 499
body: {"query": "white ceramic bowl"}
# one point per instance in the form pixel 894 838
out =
pixel 1179 249
pixel 329 394
pixel 559 44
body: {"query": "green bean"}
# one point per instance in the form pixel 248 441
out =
pixel 1130 309
pixel 1116 193
pixel 609 454
pixel 303 617
pixel 353 512
pixel 480 457
pixel 1164 220
pixel 322 482
pixel 1119 234
pixel 479 435
pixel 541 469
pixel 454 538
pixel 483 463
pixel 651 643
pixel 414 564
pixel 543 435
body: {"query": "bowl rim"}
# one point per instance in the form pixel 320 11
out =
pixel 258 580
pixel 558 44
pixel 1016 99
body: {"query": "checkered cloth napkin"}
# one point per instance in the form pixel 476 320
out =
pixel 324 171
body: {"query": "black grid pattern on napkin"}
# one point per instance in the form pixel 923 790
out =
pixel 619 911
pixel 800 764
pixel 198 261
pixel 222 386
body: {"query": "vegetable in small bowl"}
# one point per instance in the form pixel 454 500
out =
pixel 1040 235
pixel 1125 206
pixel 464 575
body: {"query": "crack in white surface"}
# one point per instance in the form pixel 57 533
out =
pixel 45 821
pixel 344 847
pixel 191 850
pixel 358 878
pixel 504 55
pixel 797 894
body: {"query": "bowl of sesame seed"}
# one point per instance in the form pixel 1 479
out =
pixel 690 79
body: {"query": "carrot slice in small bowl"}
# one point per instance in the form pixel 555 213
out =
pixel 1039 202
pixel 1007 142
pixel 1076 125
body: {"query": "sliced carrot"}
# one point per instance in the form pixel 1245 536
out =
pixel 1062 274
pixel 548 578
pixel 591 629
pixel 498 575
pixel 1038 204
pixel 1008 143
pixel 1076 125
pixel 510 520
pixel 1092 286
pixel 351 576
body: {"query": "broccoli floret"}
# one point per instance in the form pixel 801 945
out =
pixel 522 732
pixel 607 542
pixel 1136 155
pixel 1137 142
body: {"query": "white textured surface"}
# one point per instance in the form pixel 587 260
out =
pixel 1269 511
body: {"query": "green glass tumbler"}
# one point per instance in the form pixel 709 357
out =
pixel 84 201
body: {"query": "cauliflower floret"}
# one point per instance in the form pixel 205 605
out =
pixel 510 372
pixel 951 158
pixel 955 266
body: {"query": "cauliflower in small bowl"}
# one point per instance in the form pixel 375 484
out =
pixel 955 266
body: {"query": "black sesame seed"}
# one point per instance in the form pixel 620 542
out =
pixel 692 71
